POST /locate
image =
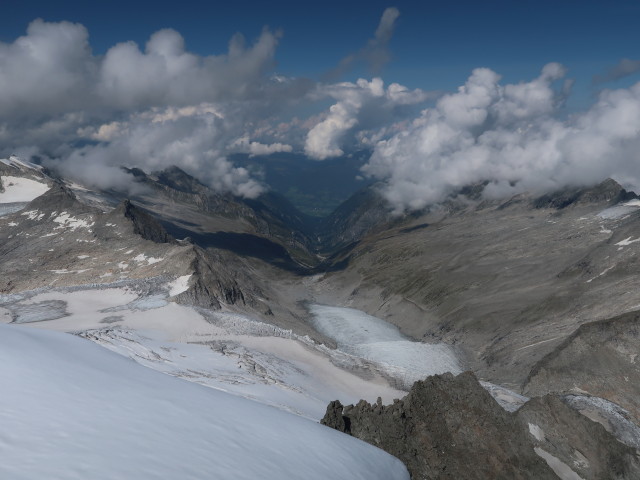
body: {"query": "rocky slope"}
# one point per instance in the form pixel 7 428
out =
pixel 57 240
pixel 505 282
pixel 269 227
pixel 598 359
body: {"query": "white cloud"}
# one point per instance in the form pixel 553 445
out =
pixel 193 138
pixel 509 135
pixel 357 103
pixel 244 145
pixel 47 71
pixel 166 74
pixel 163 105
pixel 151 108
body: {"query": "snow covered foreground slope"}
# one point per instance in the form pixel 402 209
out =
pixel 70 409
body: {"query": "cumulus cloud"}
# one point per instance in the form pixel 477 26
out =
pixel 624 68
pixel 194 138
pixel 151 108
pixel 47 71
pixel 245 145
pixel 166 74
pixel 365 104
pixel 160 104
pixel 510 137
pixel 52 69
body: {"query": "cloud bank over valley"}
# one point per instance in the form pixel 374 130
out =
pixel 160 105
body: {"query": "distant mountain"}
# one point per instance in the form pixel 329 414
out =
pixel 314 187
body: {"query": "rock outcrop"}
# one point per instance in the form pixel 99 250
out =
pixel 446 427
pixel 451 428
pixel 143 224
pixel 608 191
pixel 211 285
pixel 571 441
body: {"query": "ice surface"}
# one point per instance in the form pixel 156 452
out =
pixel 18 189
pixel 14 161
pixel 39 312
pixel 619 211
pixel 9 208
pixel 275 371
pixel 508 399
pixel 147 302
pixel 371 338
pixel 612 416
pixel 72 410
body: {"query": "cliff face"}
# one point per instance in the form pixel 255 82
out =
pixel 451 428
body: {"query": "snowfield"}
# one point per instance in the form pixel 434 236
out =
pixel 18 189
pixel 72 410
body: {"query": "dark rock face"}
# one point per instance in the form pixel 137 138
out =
pixel 359 215
pixel 269 217
pixel 446 427
pixel 607 191
pixel 211 285
pixel 583 445
pixel 143 224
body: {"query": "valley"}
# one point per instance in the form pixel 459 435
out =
pixel 257 300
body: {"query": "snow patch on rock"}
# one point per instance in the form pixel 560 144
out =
pixel 179 285
pixel 536 431
pixel 67 221
pixel 142 258
pixel 560 468
pixel 33 215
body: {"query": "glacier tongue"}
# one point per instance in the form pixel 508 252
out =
pixel 371 338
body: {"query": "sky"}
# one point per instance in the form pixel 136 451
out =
pixel 87 87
